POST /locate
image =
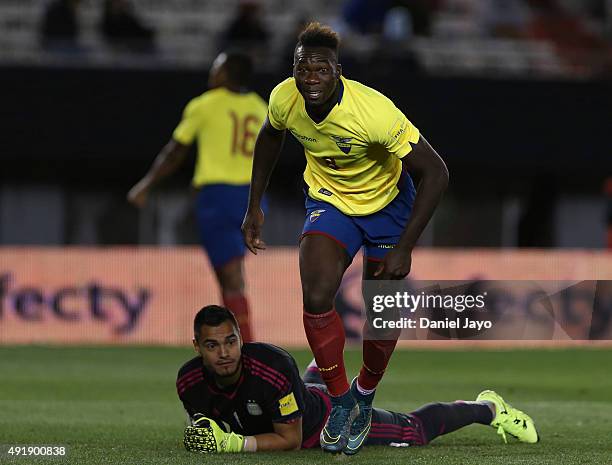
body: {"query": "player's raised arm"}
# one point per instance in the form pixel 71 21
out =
pixel 167 161
pixel 267 149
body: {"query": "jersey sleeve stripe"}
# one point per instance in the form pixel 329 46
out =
pixel 189 375
pixel 268 369
pixel 187 381
pixel 261 374
pixel 188 385
pixel 277 382
pixel 420 428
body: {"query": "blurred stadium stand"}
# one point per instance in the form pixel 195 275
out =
pixel 466 36
pixel 524 128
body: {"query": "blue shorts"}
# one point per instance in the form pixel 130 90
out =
pixel 220 209
pixel 377 232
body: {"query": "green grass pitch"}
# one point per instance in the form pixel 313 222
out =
pixel 119 405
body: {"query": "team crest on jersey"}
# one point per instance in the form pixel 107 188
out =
pixel 343 143
pixel 253 408
pixel 314 216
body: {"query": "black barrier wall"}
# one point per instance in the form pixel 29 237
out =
pixel 527 158
pixel 88 120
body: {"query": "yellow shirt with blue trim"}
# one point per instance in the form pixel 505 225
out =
pixel 354 155
pixel 226 125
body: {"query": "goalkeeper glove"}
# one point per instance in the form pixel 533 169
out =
pixel 206 436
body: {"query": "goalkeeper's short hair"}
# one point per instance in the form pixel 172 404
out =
pixel 212 315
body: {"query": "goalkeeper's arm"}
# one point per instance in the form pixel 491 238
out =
pixel 206 436
pixel 286 436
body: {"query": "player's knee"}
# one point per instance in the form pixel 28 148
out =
pixel 230 278
pixel 319 300
pixel 435 408
pixel 231 287
pixel 432 417
pixel 433 414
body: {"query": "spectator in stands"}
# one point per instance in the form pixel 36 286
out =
pixel 503 18
pixel 123 30
pixel 583 50
pixel 422 12
pixel 60 26
pixel 366 16
pixel 246 27
pixel 371 16
pixel 489 18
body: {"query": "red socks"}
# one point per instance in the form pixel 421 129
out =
pixel 239 306
pixel 376 356
pixel 325 334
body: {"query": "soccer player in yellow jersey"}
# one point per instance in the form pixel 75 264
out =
pixel 224 121
pixel 362 154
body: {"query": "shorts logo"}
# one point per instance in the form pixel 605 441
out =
pixel 386 246
pixel 314 216
pixel 253 408
pixel 343 143
pixel 287 405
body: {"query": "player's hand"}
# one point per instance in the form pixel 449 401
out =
pixel 251 230
pixel 395 265
pixel 138 194
pixel 206 436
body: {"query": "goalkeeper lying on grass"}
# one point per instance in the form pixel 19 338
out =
pixel 249 397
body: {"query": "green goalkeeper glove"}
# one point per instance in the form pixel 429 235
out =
pixel 206 436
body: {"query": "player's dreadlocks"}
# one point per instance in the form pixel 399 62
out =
pixel 317 35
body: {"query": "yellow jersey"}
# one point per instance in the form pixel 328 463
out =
pixel 225 124
pixel 353 155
